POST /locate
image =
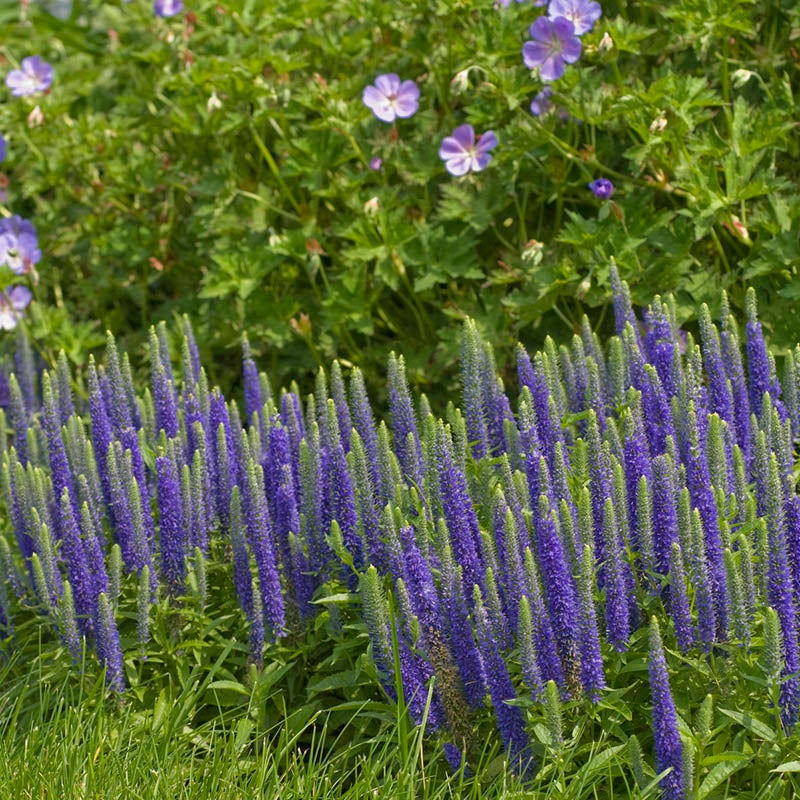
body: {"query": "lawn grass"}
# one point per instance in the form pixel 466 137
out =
pixel 69 739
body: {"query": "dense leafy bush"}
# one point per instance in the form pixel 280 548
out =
pixel 221 162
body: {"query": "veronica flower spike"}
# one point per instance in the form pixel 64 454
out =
pixel 581 13
pixel 389 99
pixel 33 76
pixel 462 154
pixel 554 45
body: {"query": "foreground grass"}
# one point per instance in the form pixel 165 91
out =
pixel 66 738
pixel 56 743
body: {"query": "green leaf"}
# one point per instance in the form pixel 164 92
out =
pixel 756 726
pixel 788 766
pixel 721 772
pixel 230 686
pixel 340 599
pixel 341 681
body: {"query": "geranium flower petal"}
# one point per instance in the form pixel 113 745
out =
pixel 460 165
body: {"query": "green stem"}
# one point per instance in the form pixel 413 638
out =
pixel 720 250
pixel 263 202
pixel 274 169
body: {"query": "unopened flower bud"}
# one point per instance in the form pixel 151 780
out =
pixel 214 103
pixel 301 324
pixel 35 118
pixel 658 124
pixel 741 76
pixel 606 43
pixel 372 206
pixel 532 252
pixel 460 82
pixel 738 229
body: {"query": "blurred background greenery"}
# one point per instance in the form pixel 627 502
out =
pixel 217 164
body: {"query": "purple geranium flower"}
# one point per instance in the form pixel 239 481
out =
pixel 581 13
pixel 389 98
pixel 167 8
pixel 2 148
pixel 542 104
pixel 13 302
pixel 19 246
pixel 34 76
pixel 555 44
pixel 602 188
pixel 462 154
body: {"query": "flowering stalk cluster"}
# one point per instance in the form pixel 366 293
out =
pixel 654 472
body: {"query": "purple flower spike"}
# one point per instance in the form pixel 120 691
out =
pixel 602 188
pixel 12 303
pixel 582 13
pixel 167 8
pixel 389 99
pixel 667 741
pixel 554 45
pixel 34 76
pixel 462 154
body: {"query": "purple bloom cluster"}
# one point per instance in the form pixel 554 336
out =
pixel 602 188
pixel 542 104
pixel 13 302
pixel 34 75
pixel 553 45
pixel 390 99
pixel 19 245
pixel 581 13
pixel 462 154
pixel 555 38
pixel 483 538
pixel 167 8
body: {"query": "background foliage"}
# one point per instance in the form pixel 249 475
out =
pixel 217 164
